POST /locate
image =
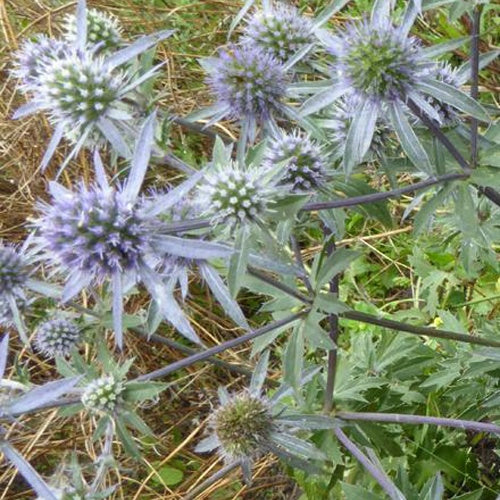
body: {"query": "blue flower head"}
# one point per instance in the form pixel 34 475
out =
pixel 280 30
pixel 247 81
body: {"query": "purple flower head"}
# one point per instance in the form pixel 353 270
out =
pixel 95 230
pixel 13 271
pixel 34 56
pixel 234 195
pixel 103 30
pixel 57 337
pixel 280 30
pixel 378 63
pixel 247 81
pixel 304 163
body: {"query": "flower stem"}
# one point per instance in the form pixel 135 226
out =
pixel 384 195
pixel 203 355
pixel 376 473
pixel 474 90
pixel 419 419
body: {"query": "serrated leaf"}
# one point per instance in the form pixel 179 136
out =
pixel 294 357
pixel 337 262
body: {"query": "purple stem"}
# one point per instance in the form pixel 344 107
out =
pixel 418 419
pixel 377 474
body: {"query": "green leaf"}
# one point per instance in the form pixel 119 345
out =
pixel 140 391
pixel 294 357
pixel 456 98
pixel 353 492
pixel 170 476
pixel 337 262
pixel 126 439
pixel 428 209
pixel 329 303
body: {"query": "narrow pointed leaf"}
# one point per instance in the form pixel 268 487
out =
pixel 223 295
pixel 140 160
pixel 138 47
pixel 241 14
pixel 81 25
pixel 113 135
pixel 329 11
pixel 100 173
pixel 191 248
pixel 207 444
pixel 454 97
pixel 27 109
pixel 4 351
pixel 57 135
pixel 297 446
pixel 322 100
pixel 310 422
pixel 141 79
pixel 118 309
pixel 409 140
pixel 77 282
pixel 259 374
pixel 359 136
pixel 46 289
pixel 239 260
pixel 26 470
pixel 18 320
pixel 42 395
pixel 441 48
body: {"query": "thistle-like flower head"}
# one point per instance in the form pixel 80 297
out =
pixel 247 82
pixel 280 30
pixel 243 425
pixel 103 395
pixel 377 62
pixel 96 230
pixel 79 89
pixel 13 271
pixel 34 56
pixel 304 163
pixel 103 30
pixel 57 337
pixel 233 194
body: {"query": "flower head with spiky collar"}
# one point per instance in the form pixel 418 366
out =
pixel 57 337
pixel 82 90
pixel 103 30
pixel 280 30
pixel 233 194
pixel 247 81
pixel 304 163
pixel 247 425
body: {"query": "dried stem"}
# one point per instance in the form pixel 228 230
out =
pixel 379 475
pixel 419 419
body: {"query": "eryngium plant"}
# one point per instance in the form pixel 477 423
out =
pixel 280 30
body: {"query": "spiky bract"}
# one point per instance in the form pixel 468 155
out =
pixel 243 425
pixel 103 30
pixel 103 395
pixel 57 337
pixel 247 81
pixel 280 30
pixel 304 164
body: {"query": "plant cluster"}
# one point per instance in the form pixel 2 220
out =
pixel 314 108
